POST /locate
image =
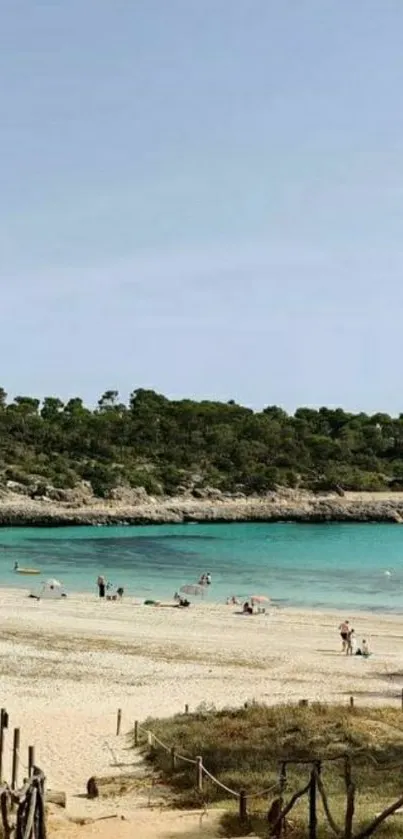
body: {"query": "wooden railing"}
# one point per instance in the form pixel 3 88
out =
pixel 23 810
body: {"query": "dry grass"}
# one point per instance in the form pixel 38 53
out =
pixel 244 748
pixel 175 653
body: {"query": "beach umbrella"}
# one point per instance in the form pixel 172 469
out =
pixel 260 598
pixel 192 589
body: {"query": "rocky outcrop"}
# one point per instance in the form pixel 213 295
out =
pixel 136 507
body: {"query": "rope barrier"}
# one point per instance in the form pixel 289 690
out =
pixel 167 748
pixel 264 791
pixel 185 759
pixel 205 771
pixel 218 783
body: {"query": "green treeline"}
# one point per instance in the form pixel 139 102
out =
pixel 167 446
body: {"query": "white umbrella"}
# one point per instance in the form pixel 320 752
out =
pixel 193 589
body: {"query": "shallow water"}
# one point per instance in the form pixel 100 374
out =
pixel 327 566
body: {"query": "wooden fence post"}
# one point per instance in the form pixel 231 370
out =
pixel 136 733
pixel 243 815
pixel 312 806
pixel 351 701
pixel 173 758
pixel 402 699
pixel 118 722
pixel 186 709
pixel 31 812
pixel 31 759
pixel 282 786
pixel 3 727
pixel 5 804
pixel 199 773
pixel 16 758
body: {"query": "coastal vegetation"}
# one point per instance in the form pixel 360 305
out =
pixel 245 749
pixel 169 447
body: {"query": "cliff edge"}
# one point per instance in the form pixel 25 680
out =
pixel 138 508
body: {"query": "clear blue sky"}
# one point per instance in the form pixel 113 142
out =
pixel 204 197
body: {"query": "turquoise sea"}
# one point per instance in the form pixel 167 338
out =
pixel 329 566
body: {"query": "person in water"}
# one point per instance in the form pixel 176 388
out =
pixel 101 583
pixel 208 578
pixel 16 566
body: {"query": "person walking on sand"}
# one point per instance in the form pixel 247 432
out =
pixel 344 629
pixel 101 583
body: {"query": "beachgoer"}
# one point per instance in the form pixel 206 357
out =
pixel 208 578
pixel 247 608
pixel 365 648
pixel 101 583
pixel 184 602
pixel 16 566
pixel 120 592
pixel 344 629
pixel 202 580
pixel 351 642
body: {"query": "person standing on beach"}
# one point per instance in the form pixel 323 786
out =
pixel 101 583
pixel 344 630
pixel 351 643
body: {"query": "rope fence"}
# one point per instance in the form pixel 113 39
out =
pixel 201 769
pixel 278 788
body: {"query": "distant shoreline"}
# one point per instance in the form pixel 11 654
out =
pixel 282 506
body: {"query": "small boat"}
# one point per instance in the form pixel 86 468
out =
pixel 19 570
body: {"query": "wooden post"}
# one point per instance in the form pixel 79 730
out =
pixel 136 733
pixel 186 709
pixel 119 722
pixel 283 784
pixel 351 701
pixel 5 808
pixel 312 806
pixel 173 758
pixel 303 703
pixel 199 773
pixel 402 699
pixel 3 727
pixel 16 758
pixel 31 813
pixel 31 759
pixel 243 815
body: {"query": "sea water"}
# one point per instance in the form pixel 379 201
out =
pixel 341 566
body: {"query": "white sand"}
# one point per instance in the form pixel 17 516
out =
pixel 67 666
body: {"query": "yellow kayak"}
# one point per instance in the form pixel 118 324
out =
pixel 27 571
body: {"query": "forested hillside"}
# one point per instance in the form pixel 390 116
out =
pixel 171 446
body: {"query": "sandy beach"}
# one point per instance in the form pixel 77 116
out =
pixel 67 666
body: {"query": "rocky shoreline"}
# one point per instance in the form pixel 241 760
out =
pixel 282 506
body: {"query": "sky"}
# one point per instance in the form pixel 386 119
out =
pixel 203 197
